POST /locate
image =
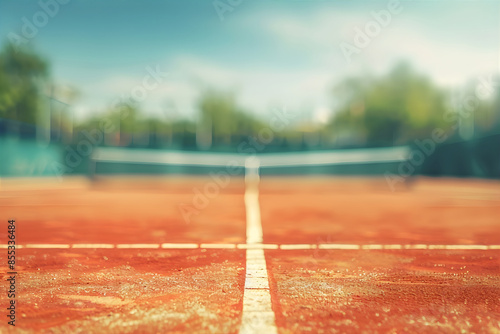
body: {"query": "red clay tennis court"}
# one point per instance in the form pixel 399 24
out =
pixel 332 255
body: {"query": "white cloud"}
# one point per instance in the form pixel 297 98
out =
pixel 407 37
pixel 315 34
pixel 447 63
pixel 259 90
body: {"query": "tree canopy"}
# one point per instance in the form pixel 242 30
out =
pixel 21 74
pixel 391 109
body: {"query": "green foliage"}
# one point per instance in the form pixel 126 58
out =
pixel 373 111
pixel 21 73
pixel 220 115
pixel 485 112
pixel 389 110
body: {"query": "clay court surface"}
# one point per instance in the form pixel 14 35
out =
pixel 341 256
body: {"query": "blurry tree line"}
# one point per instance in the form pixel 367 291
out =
pixel 403 105
pixel 369 111
pixel 21 80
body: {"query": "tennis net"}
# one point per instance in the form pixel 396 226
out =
pixel 124 161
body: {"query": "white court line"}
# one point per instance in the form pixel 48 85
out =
pixel 138 246
pixel 7 246
pixel 372 246
pixel 338 246
pixel 258 316
pixel 436 246
pixel 47 246
pixel 393 246
pixel 257 246
pixel 253 246
pixel 179 246
pixel 482 247
pixel 93 246
pixel 416 246
pixel 254 226
pixel 218 246
pixel 299 246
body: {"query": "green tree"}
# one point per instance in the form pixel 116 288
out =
pixel 22 72
pixel 223 119
pixel 390 110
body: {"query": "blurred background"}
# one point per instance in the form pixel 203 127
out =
pixel 249 77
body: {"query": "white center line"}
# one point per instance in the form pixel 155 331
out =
pixel 258 316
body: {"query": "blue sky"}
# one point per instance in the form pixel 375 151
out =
pixel 271 53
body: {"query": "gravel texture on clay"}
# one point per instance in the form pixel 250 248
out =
pixel 385 291
pixel 129 291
